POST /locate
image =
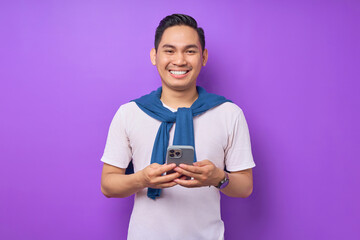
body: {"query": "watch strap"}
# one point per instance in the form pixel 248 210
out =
pixel 223 183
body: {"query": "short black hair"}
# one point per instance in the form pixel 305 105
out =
pixel 178 20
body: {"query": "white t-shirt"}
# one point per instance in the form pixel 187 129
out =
pixel 221 136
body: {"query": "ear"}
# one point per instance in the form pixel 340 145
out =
pixel 153 56
pixel 205 57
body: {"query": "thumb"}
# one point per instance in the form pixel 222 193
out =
pixel 154 165
pixel 201 163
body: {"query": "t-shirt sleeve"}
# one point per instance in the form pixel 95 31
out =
pixel 117 149
pixel 238 155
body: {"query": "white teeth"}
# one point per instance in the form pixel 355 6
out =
pixel 178 72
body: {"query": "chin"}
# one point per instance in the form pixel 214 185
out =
pixel 179 87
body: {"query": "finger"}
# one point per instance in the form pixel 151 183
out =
pixel 164 185
pixel 191 168
pixel 168 177
pixel 183 177
pixel 155 165
pixel 167 185
pixel 168 167
pixel 202 163
pixel 182 171
pixel 165 178
pixel 188 183
pixel 164 168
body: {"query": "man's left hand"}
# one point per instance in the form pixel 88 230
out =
pixel 203 173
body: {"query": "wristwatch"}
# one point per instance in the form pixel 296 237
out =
pixel 223 183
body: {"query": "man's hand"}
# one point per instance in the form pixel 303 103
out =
pixel 152 176
pixel 204 173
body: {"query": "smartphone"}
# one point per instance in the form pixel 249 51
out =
pixel 179 154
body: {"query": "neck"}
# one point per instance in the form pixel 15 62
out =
pixel 177 99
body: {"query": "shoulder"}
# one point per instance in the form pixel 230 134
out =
pixel 227 109
pixel 230 107
pixel 127 109
pixel 130 106
pixel 130 115
pixel 227 115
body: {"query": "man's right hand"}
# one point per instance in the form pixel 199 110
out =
pixel 152 176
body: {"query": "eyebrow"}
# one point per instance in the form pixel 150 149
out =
pixel 186 47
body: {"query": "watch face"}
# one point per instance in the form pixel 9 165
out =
pixel 224 182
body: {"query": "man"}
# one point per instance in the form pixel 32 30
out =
pixel 186 203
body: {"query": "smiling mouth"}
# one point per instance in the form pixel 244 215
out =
pixel 178 73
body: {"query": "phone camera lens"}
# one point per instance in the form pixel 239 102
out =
pixel 177 153
pixel 172 155
pixel 172 151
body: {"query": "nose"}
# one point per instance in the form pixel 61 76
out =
pixel 179 59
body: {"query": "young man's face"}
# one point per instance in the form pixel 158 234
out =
pixel 179 58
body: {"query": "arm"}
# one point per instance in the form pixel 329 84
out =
pixel 114 182
pixel 205 173
pixel 240 184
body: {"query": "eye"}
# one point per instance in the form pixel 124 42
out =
pixel 191 51
pixel 169 51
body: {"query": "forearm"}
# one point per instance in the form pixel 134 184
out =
pixel 240 184
pixel 120 185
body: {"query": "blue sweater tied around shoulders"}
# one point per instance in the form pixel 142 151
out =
pixel 184 130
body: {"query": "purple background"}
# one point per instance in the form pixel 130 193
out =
pixel 292 66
